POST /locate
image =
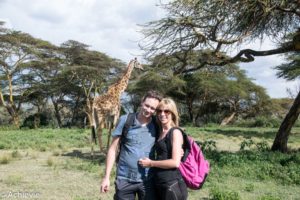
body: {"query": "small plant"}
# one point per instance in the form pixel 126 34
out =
pixel 249 188
pixel 208 145
pixel 16 154
pixel 217 194
pixel 56 153
pixel 50 161
pixel 43 149
pixel 5 159
pixel 262 146
pixel 247 144
pixel 2 146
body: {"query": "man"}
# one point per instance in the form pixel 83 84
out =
pixel 131 178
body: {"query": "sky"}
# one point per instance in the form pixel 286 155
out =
pixel 111 27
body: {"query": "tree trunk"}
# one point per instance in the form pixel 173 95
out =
pixel 281 139
pixel 228 119
pixel 11 109
pixel 57 114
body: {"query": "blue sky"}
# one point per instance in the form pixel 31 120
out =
pixel 112 27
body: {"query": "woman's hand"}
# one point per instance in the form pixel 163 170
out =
pixel 145 162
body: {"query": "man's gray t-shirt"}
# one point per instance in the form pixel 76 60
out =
pixel 137 144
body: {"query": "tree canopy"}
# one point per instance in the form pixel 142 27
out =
pixel 217 26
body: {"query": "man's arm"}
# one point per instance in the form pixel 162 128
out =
pixel 110 160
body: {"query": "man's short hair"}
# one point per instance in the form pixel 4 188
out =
pixel 152 94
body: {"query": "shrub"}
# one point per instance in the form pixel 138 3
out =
pixel 15 154
pixel 217 194
pixel 50 161
pixel 249 144
pixel 259 121
pixel 249 188
pixel 5 159
pixel 207 145
pixel 36 120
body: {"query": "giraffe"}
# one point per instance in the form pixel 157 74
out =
pixel 106 107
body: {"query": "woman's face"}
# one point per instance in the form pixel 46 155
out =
pixel 164 115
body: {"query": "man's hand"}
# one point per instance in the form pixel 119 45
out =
pixel 104 187
pixel 145 162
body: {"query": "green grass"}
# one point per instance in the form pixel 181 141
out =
pixel 253 173
pixel 43 139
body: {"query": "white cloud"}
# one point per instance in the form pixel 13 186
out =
pixel 110 26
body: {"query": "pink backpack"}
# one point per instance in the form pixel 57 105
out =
pixel 193 167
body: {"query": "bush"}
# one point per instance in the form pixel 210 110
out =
pixel 257 165
pixel 259 121
pixel 217 194
pixel 249 144
pixel 207 145
pixel 36 120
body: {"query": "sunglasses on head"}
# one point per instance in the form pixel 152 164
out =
pixel 159 111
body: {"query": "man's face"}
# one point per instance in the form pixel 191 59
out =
pixel 148 107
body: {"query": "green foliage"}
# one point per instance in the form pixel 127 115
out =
pixel 260 146
pixel 260 121
pixel 249 187
pixel 257 165
pixel 36 121
pixel 218 194
pixel 290 70
pixel 207 145
pixel 240 19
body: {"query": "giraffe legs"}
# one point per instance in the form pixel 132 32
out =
pixel 100 131
pixel 110 126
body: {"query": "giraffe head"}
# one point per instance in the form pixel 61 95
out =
pixel 136 64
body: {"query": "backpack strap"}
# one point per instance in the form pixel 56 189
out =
pixel 186 146
pixel 128 123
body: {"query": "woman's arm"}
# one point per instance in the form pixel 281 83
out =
pixel 174 162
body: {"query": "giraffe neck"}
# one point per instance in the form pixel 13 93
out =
pixel 121 85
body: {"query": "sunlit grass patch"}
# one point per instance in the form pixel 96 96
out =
pixel 14 179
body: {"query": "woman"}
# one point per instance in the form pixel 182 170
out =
pixel 168 179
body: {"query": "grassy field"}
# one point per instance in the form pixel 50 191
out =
pixel 57 164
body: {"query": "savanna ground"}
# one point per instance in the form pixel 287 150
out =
pixel 56 164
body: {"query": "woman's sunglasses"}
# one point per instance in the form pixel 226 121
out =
pixel 167 112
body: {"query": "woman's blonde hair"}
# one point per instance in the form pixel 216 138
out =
pixel 169 104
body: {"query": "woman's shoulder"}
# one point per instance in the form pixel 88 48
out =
pixel 176 132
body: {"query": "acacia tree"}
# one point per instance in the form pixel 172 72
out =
pixel 213 27
pixel 16 49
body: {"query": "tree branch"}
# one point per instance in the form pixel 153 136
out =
pixel 247 55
